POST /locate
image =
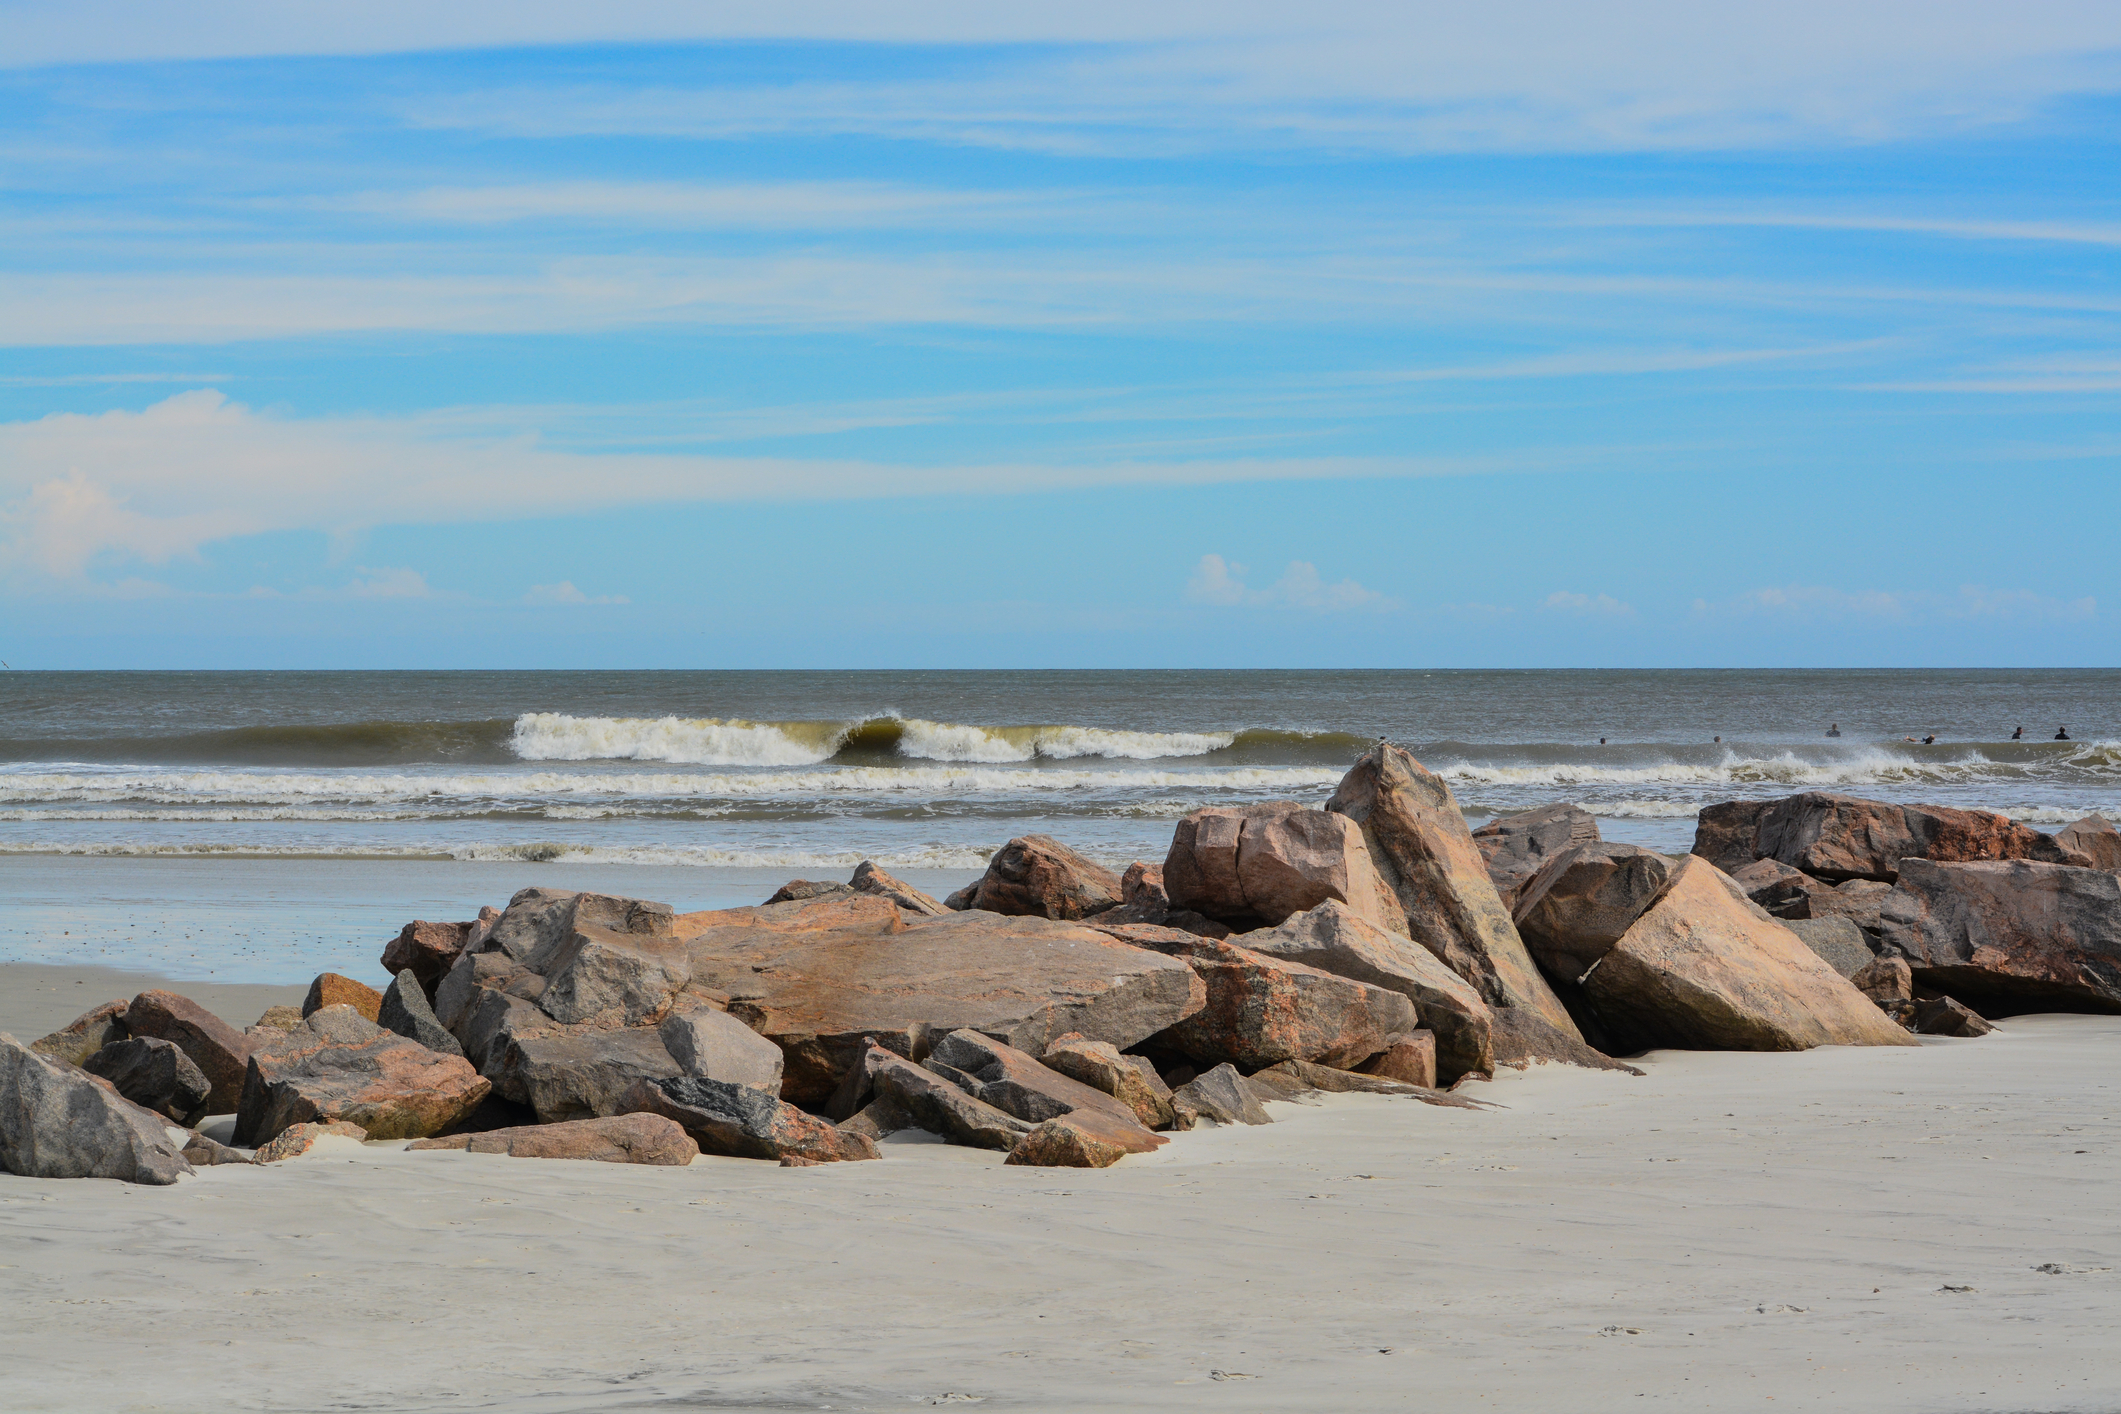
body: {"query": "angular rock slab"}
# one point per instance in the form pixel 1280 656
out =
pixel 1332 938
pixel 613 1139
pixel 57 1122
pixel 1066 1143
pixel 1131 1080
pixel 218 1049
pixel 2010 937
pixel 1410 1059
pixel 1262 1009
pixel 1025 980
pixel 85 1035
pixel 714 1045
pixel 297 1140
pixel 1038 876
pixel 391 1087
pixel 1517 846
pixel 1572 911
pixel 1703 970
pixel 580 1075
pixel 2095 839
pixel 742 1122
pixel 331 989
pixel 1421 846
pixel 406 1011
pixel 1835 837
pixel 868 879
pixel 1021 1085
pixel 922 1099
pixel 1837 940
pixel 154 1075
pixel 1255 865
pixel 427 950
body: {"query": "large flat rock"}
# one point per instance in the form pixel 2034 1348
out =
pixel 2012 936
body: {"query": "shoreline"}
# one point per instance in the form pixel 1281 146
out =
pixel 1730 1229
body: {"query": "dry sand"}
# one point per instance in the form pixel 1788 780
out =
pixel 1839 1229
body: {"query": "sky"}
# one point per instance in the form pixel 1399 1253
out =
pixel 953 335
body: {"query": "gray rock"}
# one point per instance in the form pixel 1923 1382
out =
pixel 743 1121
pixel 539 925
pixel 2095 839
pixel 341 1025
pixel 405 1011
pixel 802 890
pixel 154 1075
pixel 1518 846
pixel 1837 940
pixel 581 1076
pixel 202 1152
pixel 1021 1085
pixel 218 1049
pixel 1942 1016
pixel 932 1103
pixel 623 978
pixel 714 1045
pixel 1221 1095
pixel 1572 911
pixel 58 1122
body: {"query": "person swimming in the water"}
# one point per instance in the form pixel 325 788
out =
pixel 2018 735
pixel 1930 740
pixel 2061 733
pixel 1834 729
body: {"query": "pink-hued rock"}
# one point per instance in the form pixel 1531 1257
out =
pixel 1517 846
pixel 2094 839
pixel 1704 969
pixel 331 989
pixel 746 1123
pixel 298 1139
pixel 1426 855
pixel 1835 837
pixel 1038 876
pixel 1131 1080
pixel 428 950
pixel 85 1035
pixel 1410 1058
pixel 391 1087
pixel 1253 866
pixel 868 879
pixel 2010 936
pixel 613 1139
pixel 1067 1142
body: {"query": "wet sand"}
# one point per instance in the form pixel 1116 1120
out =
pixel 38 998
pixel 1839 1229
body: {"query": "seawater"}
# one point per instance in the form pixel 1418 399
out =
pixel 227 787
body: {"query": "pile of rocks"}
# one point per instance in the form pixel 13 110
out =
pixel 1052 1010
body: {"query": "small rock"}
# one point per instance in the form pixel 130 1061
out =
pixel 428 951
pixel 611 1139
pixel 278 1018
pixel 1039 876
pixel 155 1075
pixel 1941 1016
pixel 392 1087
pixel 1410 1059
pixel 1221 1095
pixel 330 989
pixel 1837 940
pixel 1019 1084
pixel 1129 1079
pixel 202 1152
pixel 1063 1143
pixel 2095 839
pixel 581 1076
pixel 743 1122
pixel 934 1104
pixel 799 890
pixel 298 1139
pixel 868 879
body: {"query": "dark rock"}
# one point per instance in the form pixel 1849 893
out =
pixel 1517 846
pixel 613 1139
pixel 1262 1009
pixel 330 989
pixel 1941 1016
pixel 868 879
pixel 1221 1095
pixel 2095 839
pixel 1040 877
pixel 1333 939
pixel 405 1010
pixel 1253 866
pixel 818 995
pixel 714 1045
pixel 1728 835
pixel 392 1087
pixel 583 1075
pixel 745 1122
pixel 1419 841
pixel 1837 940
pixel 1705 969
pixel 2012 936
pixel 1021 1085
pixel 1781 890
pixel 85 1035
pixel 1572 911
pixel 604 976
pixel 218 1049
pixel 1836 837
pixel 802 890
pixel 930 1102
pixel 427 950
pixel 202 1152
pixel 1523 1039
pixel 58 1122
pixel 154 1075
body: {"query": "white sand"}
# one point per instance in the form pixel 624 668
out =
pixel 1731 1232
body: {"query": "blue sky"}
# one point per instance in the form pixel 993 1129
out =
pixel 973 336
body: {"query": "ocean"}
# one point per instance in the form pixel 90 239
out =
pixel 261 826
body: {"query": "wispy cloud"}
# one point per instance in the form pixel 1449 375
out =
pixel 1218 581
pixel 565 593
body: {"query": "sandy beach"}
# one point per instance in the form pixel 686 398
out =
pixel 1858 1229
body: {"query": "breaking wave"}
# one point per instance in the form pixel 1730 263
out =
pixel 971 858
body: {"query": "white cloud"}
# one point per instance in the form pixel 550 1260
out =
pixel 1824 603
pixel 196 468
pixel 1218 581
pixel 1394 74
pixel 388 584
pixel 1590 605
pixel 565 593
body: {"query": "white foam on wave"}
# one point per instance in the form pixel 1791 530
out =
pixel 308 788
pixel 957 857
pixel 950 741
pixel 1875 767
pixel 702 741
